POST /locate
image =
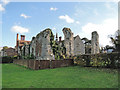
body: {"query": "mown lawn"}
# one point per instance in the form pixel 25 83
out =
pixel 14 76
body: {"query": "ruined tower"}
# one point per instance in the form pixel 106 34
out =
pixel 94 43
pixel 68 41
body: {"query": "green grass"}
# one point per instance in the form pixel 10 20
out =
pixel 15 76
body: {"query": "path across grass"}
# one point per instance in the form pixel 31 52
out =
pixel 15 76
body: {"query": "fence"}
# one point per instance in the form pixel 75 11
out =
pixel 110 60
pixel 44 64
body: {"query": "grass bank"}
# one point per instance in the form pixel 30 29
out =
pixel 14 76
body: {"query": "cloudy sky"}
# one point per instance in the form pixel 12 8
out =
pixel 29 18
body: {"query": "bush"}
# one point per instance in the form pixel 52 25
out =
pixel 110 60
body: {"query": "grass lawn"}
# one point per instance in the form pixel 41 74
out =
pixel 15 76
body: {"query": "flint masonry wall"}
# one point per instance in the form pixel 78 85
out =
pixel 44 64
pixel 40 45
pixel 79 47
pixel 95 43
pixel 33 46
pixel 68 41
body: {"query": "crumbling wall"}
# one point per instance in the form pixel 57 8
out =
pixel 79 47
pixel 19 50
pixel 44 64
pixel 27 50
pixel 32 47
pixel 22 51
pixel 95 43
pixel 43 48
pixel 68 41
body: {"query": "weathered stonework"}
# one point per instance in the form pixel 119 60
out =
pixel 95 43
pixel 27 50
pixel 79 47
pixel 22 51
pixel 32 47
pixel 68 41
pixel 43 48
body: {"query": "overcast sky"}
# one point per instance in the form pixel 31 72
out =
pixel 30 18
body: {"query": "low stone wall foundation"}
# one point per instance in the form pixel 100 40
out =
pixel 44 64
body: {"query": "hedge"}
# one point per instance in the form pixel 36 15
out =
pixel 109 60
pixel 6 59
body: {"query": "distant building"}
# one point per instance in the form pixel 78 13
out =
pixel 8 52
pixel 1 53
pixel 20 43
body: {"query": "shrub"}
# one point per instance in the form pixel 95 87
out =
pixel 110 60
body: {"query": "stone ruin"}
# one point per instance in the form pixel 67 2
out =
pixel 95 43
pixel 44 47
pixel 40 45
pixel 79 46
pixel 68 41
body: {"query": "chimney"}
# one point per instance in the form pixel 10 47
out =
pixel 23 37
pixel 17 36
pixel 60 39
pixel 17 40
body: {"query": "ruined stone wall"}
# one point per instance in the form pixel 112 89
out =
pixel 88 48
pixel 33 46
pixel 79 47
pixel 43 48
pixel 95 43
pixel 44 64
pixel 26 50
pixel 18 50
pixel 68 41
pixel 39 47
